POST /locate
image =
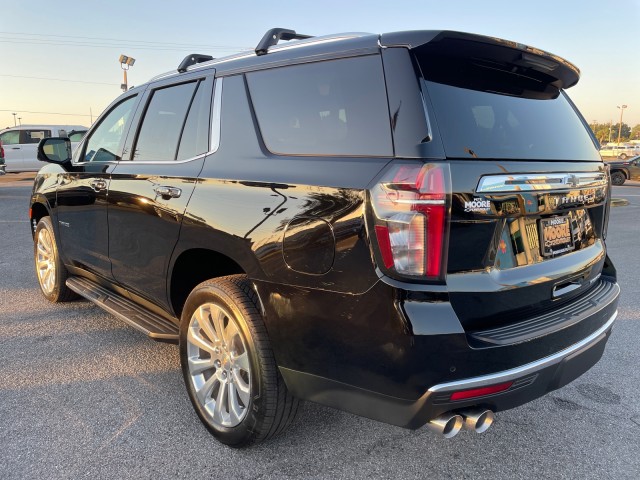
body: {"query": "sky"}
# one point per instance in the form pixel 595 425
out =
pixel 60 59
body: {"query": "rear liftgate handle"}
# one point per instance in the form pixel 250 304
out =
pixel 566 287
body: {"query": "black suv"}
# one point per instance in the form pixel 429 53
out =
pixel 407 226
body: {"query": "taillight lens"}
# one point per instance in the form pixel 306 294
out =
pixel 1 151
pixel 410 205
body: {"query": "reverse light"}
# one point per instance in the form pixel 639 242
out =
pixel 410 203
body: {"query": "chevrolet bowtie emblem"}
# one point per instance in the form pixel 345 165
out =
pixel 572 180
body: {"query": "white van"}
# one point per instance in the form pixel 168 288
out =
pixel 21 143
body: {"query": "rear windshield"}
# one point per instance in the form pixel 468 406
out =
pixel 484 124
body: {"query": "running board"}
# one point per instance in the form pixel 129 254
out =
pixel 155 326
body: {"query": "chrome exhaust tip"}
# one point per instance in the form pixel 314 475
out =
pixel 447 424
pixel 478 419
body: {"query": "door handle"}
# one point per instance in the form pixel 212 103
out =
pixel 167 192
pixel 98 185
pixel 15 148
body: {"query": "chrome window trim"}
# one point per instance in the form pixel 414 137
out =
pixel 214 142
pixel 524 370
pixel 540 182
pixel 146 162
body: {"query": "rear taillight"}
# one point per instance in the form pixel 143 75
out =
pixel 410 204
pixel 1 151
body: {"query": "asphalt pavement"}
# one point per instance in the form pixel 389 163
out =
pixel 82 395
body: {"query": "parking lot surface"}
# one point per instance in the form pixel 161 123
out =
pixel 82 395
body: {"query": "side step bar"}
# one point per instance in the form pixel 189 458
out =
pixel 155 326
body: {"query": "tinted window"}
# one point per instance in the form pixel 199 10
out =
pixel 162 124
pixel 76 136
pixel 476 124
pixel 10 138
pixel 104 143
pixel 326 108
pixel 195 137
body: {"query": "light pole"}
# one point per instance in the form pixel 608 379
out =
pixel 125 63
pixel 14 119
pixel 620 126
pixel 20 120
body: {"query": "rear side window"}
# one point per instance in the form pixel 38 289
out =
pixel 195 137
pixel 34 136
pixel 163 122
pixel 336 107
pixel 11 137
pixel 176 123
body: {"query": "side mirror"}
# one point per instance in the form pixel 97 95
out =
pixel 54 150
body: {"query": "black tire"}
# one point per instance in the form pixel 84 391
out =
pixel 618 178
pixel 50 271
pixel 267 407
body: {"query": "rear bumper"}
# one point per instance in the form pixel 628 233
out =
pixel 530 381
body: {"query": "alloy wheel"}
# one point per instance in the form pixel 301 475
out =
pixel 46 261
pixel 218 363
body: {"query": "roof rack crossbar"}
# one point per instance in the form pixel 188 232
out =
pixel 273 36
pixel 192 60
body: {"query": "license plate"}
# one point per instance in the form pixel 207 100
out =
pixel 556 236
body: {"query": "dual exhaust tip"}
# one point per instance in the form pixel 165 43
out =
pixel 449 424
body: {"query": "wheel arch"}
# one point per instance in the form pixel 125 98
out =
pixel 37 211
pixel 192 267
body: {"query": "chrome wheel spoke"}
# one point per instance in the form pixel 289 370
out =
pixel 243 388
pixel 42 250
pixel 235 409
pixel 203 315
pixel 198 365
pixel 241 362
pixel 219 408
pixel 205 390
pixel 194 338
pixel 230 332
pixel 48 279
pixel 218 317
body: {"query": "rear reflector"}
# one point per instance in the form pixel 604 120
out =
pixel 480 392
pixel 382 234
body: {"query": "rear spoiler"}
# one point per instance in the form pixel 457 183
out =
pixel 504 54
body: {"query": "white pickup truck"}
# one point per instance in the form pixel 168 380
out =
pixel 21 143
pixel 620 151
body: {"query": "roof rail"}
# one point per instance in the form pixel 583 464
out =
pixel 272 37
pixel 192 60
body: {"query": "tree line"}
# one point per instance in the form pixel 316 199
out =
pixel 608 132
